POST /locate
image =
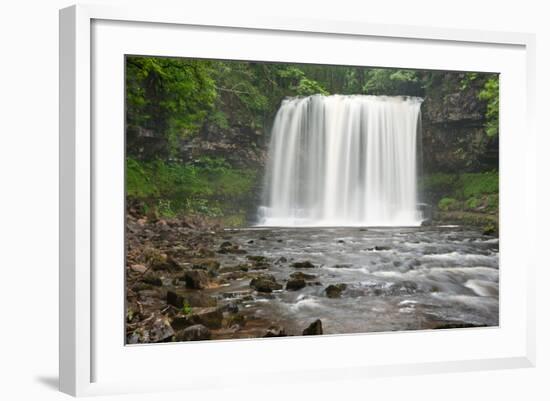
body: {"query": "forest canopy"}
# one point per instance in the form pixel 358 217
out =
pixel 173 98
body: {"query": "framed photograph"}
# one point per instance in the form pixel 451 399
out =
pixel 307 199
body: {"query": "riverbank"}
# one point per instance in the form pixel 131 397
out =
pixel 470 199
pixel 190 279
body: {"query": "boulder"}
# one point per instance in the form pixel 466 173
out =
pixel 206 264
pixel 209 317
pixel 256 258
pixel 303 276
pixel 197 332
pixel 228 247
pixel 314 329
pixel 295 284
pixel 138 268
pixel 335 290
pixel 275 331
pixel 152 279
pixel 161 331
pixel 179 299
pixel 232 269
pixel 196 279
pixel 306 264
pixel 265 283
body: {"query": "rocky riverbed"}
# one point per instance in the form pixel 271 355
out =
pixel 190 280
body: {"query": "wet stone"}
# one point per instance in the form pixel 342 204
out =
pixel 196 279
pixel 265 283
pixel 306 264
pixel 295 284
pixel 314 329
pixel 303 276
pixel 335 290
pixel 197 332
pixel 275 331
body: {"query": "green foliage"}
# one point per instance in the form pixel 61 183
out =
pixel 168 96
pixel 448 204
pixel 476 184
pixel 468 79
pixel 385 81
pixel 467 192
pixel 207 186
pixel 472 203
pixel 300 84
pixel 138 181
pixel 490 93
pixel 186 309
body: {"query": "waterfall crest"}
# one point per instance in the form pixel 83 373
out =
pixel 343 161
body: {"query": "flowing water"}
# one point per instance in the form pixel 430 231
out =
pixel 338 163
pixel 343 161
pixel 396 278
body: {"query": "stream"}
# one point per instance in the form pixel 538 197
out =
pixel 396 278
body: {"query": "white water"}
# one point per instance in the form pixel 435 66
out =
pixel 343 161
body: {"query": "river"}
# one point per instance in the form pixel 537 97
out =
pixel 396 278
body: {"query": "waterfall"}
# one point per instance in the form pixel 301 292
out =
pixel 343 161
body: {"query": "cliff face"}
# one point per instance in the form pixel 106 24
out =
pixel 453 133
pixel 454 138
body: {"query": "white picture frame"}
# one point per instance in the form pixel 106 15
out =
pixel 92 38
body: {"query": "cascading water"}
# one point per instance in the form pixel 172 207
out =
pixel 343 161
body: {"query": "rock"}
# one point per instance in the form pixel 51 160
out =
pixel 236 275
pixel 232 269
pixel 200 300
pixel 228 247
pixel 161 331
pixel 489 229
pixel 281 260
pixel 335 290
pixel 139 268
pixel 265 283
pixel 277 331
pixel 306 264
pixel 207 264
pixel 209 317
pixel 179 299
pixel 196 332
pixel 196 279
pixel 403 287
pixel 152 279
pixel 341 241
pixel 295 284
pixel 303 276
pixel 382 248
pixel 256 258
pixel 250 241
pixel 236 320
pixel 314 329
pixel 226 244
pixel 230 308
pixel 343 266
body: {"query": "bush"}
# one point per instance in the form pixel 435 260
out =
pixel 477 184
pixel 448 204
pixel 207 186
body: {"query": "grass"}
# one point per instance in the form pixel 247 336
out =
pixel 469 192
pixel 208 187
